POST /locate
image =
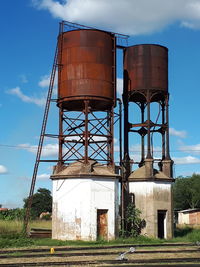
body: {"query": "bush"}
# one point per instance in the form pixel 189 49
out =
pixel 134 223
pixel 13 214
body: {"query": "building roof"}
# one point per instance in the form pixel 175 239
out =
pixel 3 209
pixel 189 210
pixel 140 174
pixel 80 169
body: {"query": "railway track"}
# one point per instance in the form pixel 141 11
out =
pixel 101 247
pixel 190 261
pixel 167 254
pixel 72 254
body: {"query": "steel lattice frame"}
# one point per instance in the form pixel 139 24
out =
pixel 86 134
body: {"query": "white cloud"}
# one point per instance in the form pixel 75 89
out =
pixel 43 176
pixel 3 169
pixel 186 160
pixel 181 134
pixel 135 152
pixel 119 86
pixel 135 157
pixel 44 81
pixel 48 150
pixel 192 149
pixel 137 148
pixel 28 99
pixel 126 16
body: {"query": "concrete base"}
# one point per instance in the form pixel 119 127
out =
pixel 152 199
pixel 85 206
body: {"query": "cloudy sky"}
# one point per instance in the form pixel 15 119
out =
pixel 29 30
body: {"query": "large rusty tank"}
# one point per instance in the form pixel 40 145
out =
pixel 145 68
pixel 86 61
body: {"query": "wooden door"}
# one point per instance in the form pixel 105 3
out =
pixel 102 224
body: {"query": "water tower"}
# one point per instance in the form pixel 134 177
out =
pixel 146 87
pixel 85 186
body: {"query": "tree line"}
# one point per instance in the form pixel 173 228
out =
pixel 41 202
pixel 186 192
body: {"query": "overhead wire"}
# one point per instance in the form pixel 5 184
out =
pixel 34 147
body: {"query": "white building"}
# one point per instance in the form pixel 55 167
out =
pixel 85 202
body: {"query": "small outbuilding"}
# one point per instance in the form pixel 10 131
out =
pixel 189 217
pixel 3 209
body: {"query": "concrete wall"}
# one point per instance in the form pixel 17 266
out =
pixel 183 218
pixel 149 198
pixel 75 204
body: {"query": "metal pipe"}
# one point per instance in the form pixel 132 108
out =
pixel 86 134
pixel 121 164
pixel 163 130
pixel 60 138
pixel 112 137
pixel 149 156
pixel 120 132
pixel 142 136
pixel 167 130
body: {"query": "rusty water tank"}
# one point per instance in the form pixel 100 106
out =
pixel 146 68
pixel 86 61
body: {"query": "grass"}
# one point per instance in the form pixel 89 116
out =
pixel 11 233
pixel 186 234
pixel 15 227
pixel 11 236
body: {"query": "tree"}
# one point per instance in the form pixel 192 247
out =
pixel 42 202
pixel 181 193
pixel 195 191
pixel 186 192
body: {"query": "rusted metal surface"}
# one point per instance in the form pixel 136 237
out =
pixel 86 69
pixel 146 67
pixel 102 224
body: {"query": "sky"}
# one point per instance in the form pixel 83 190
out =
pixel 29 30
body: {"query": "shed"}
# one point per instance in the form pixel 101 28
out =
pixel 189 217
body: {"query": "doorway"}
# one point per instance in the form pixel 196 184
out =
pixel 102 224
pixel 162 223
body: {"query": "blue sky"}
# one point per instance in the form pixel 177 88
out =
pixel 29 32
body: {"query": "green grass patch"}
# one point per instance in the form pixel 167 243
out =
pixel 11 236
pixel 15 241
pixel 186 234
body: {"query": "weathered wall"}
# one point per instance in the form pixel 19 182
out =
pixel 75 204
pixel 194 218
pixel 149 198
pixel 191 218
pixel 183 218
